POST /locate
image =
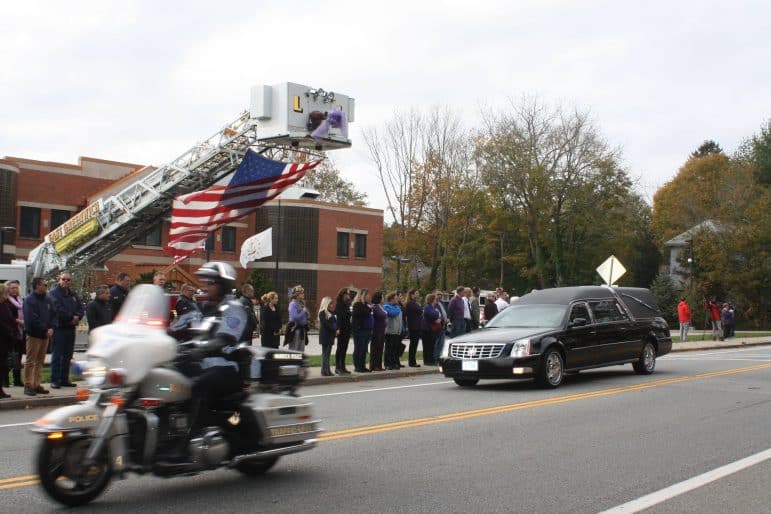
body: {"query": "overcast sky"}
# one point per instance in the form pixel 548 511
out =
pixel 143 81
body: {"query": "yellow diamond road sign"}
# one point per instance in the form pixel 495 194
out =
pixel 611 270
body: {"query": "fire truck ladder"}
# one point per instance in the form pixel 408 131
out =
pixel 137 208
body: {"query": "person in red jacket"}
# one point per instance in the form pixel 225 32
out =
pixel 684 317
pixel 714 317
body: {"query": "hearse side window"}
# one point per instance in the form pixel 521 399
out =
pixel 606 311
pixel 579 310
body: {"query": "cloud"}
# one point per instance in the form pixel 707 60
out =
pixel 144 81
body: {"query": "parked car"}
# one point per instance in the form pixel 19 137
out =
pixel 548 333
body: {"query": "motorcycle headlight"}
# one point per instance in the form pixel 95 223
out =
pixel 521 348
pixel 95 373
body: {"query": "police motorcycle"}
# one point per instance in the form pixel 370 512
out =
pixel 135 417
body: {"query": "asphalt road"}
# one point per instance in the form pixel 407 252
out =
pixel 693 437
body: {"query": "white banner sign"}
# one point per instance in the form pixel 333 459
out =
pixel 256 247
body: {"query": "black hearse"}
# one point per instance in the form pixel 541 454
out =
pixel 548 333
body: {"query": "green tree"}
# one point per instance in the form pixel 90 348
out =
pixel 666 293
pixel 708 147
pixel 552 170
pixel 756 151
pixel 326 179
pixel 261 283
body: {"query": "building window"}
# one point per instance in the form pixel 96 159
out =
pixel 58 217
pixel 228 239
pixel 343 241
pixel 30 222
pixel 152 237
pixel 360 246
pixel 208 245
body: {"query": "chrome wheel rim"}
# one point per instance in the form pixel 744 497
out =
pixel 554 368
pixel 649 357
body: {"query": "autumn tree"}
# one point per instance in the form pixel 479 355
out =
pixel 424 162
pixel 703 188
pixel 731 259
pixel 397 151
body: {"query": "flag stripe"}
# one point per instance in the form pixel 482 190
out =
pixel 257 180
pixel 196 208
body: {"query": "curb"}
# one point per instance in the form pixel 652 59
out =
pixel 34 403
pixel 375 375
pixel 58 401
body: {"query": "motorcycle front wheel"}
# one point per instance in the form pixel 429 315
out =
pixel 63 475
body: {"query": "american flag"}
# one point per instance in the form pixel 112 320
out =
pixel 257 180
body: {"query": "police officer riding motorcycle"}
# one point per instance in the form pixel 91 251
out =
pixel 158 406
pixel 221 364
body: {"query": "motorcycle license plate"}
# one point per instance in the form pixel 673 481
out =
pixel 295 429
pixel 289 371
pixel 469 366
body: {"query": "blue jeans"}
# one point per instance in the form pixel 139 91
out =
pixel 438 346
pixel 458 328
pixel 361 338
pixel 62 347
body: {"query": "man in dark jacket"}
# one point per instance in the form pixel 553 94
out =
pixel 99 311
pixel 185 302
pixel 343 316
pixel 69 312
pixel 414 315
pixel 118 292
pixel 455 312
pixel 38 324
pixel 247 300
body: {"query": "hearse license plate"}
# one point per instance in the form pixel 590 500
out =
pixel 469 366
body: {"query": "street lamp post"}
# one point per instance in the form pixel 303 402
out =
pixel 690 271
pixel 3 230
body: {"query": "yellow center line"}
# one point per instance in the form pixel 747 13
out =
pixel 16 479
pixel 27 480
pixel 501 409
pixel 19 484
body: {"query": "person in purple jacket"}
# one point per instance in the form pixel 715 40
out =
pixel 298 315
pixel 430 315
pixel 378 333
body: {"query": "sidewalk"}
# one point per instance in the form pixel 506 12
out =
pixel 66 396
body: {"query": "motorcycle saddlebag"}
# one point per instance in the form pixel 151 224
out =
pixel 277 369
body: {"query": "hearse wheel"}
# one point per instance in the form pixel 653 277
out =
pixel 647 363
pixel 551 370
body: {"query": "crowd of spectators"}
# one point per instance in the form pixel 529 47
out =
pixel 384 326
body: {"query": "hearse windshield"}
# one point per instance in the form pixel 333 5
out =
pixel 533 315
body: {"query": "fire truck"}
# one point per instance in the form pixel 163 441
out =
pixel 283 120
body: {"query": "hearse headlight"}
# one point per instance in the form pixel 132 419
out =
pixel 446 350
pixel 521 348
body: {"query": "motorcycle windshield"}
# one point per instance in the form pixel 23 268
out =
pixel 145 305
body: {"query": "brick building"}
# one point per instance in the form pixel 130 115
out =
pixel 320 245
